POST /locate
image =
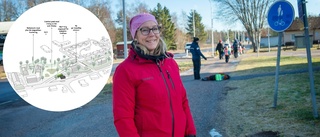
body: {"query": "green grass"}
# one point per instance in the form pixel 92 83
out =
pixel 264 64
pixel 250 106
pixel 183 66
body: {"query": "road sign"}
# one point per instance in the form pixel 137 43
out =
pixel 280 15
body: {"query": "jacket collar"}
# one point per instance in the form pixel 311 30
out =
pixel 147 59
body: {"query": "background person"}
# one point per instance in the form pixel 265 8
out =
pixel 149 98
pixel 242 47
pixel 219 48
pixel 235 48
pixel 227 52
pixel 216 77
pixel 196 59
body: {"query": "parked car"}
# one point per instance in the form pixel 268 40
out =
pixel 226 45
pixel 187 47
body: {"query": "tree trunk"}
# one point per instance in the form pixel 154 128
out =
pixel 254 41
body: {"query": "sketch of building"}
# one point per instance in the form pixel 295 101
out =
pixel 32 79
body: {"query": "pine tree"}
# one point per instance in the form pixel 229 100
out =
pixel 167 26
pixel 199 27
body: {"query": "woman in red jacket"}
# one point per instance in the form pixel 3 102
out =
pixel 149 99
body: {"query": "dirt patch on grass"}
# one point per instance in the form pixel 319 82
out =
pixel 266 134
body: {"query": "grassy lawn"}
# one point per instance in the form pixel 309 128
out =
pixel 249 103
pixel 265 64
pixel 184 66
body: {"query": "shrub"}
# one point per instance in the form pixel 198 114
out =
pixel 289 43
pixel 316 41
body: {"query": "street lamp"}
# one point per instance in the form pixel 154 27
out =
pixel 194 26
pixel 212 37
pixel 125 45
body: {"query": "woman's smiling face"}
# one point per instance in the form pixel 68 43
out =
pixel 148 35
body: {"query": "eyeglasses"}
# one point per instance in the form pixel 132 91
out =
pixel 145 30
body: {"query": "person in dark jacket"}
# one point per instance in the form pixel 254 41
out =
pixel 219 48
pixel 235 48
pixel 149 98
pixel 196 59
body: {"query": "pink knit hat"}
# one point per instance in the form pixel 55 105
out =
pixel 138 20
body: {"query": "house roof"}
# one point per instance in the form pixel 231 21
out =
pixel 297 24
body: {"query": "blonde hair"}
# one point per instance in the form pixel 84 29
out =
pixel 160 49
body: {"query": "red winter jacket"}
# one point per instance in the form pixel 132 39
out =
pixel 149 99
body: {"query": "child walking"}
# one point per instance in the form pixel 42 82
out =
pixel 227 53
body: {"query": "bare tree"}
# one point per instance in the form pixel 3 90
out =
pixel 131 10
pixel 8 10
pixel 101 8
pixel 180 36
pixel 78 2
pixel 251 13
pixel 140 8
pixel 21 7
pixel 32 3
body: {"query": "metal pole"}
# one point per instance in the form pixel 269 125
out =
pixel 212 41
pixel 212 37
pixel 268 39
pixel 307 42
pixel 125 45
pixel 275 97
pixel 194 27
pixel 228 36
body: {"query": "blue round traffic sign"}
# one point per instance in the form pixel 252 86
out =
pixel 280 15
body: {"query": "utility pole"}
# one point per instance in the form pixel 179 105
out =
pixel 212 37
pixel 268 38
pixel 125 45
pixel 304 16
pixel 194 27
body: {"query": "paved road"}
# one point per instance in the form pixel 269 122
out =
pixel 205 96
pixel 7 94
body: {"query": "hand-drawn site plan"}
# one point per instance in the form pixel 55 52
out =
pixel 58 56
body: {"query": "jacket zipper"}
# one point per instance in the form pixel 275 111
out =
pixel 169 95
pixel 171 81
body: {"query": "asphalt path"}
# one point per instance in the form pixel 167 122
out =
pixel 205 96
pixel 7 94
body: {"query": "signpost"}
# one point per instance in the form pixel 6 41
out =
pixel 280 17
pixel 304 17
pixel 300 9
